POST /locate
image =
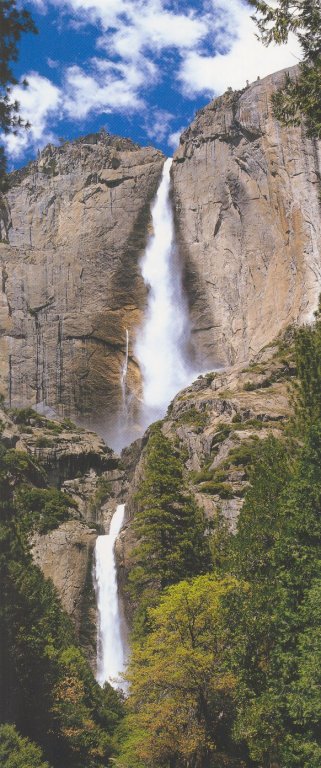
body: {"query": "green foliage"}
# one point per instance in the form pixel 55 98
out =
pixel 43 442
pixel 180 706
pixel 14 21
pixel 300 96
pixel 169 526
pixel 277 550
pixel 224 490
pixel 47 688
pixel 27 417
pixel 194 418
pixel 18 752
pixel 260 655
pixel 43 509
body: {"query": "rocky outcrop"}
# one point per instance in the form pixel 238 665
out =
pixel 215 425
pixel 65 556
pixel 247 199
pixel 74 226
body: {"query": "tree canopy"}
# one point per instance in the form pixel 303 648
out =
pixel 181 690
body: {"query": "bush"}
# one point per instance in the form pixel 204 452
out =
pixel 43 509
pixel 18 752
pixel 194 417
pixel 223 490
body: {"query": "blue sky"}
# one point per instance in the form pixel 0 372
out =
pixel 138 68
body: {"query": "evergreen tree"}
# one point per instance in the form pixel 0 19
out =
pixel 14 21
pixel 18 752
pixel 277 549
pixel 168 524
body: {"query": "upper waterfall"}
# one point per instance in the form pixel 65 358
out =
pixel 161 344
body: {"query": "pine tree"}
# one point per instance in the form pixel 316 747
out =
pixel 168 524
pixel 14 21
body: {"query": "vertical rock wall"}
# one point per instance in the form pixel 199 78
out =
pixel 247 201
pixel 74 225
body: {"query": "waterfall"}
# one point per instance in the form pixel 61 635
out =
pixel 124 370
pixel 161 344
pixel 111 630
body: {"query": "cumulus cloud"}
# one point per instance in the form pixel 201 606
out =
pixel 108 88
pixel 214 47
pixel 244 59
pixel 38 104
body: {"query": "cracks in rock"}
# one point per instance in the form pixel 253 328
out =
pixel 95 339
pixel 59 375
pixel 5 219
pixel 35 310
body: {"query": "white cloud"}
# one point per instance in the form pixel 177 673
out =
pixel 246 59
pixel 38 103
pixel 157 124
pixel 108 88
pixel 173 138
pixel 215 47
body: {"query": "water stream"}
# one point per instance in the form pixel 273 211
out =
pixel 161 352
pixel 111 629
pixel 161 345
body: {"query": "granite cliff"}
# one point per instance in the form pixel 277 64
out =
pixel 247 198
pixel 73 226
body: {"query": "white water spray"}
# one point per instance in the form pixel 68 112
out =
pixel 111 631
pixel 161 345
pixel 124 370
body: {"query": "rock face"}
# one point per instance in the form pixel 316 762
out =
pixel 65 556
pixel 73 227
pixel 247 199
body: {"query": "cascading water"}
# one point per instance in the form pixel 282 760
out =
pixel 161 344
pixel 160 350
pixel 124 371
pixel 111 630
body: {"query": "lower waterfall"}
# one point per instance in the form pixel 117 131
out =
pixel 111 626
